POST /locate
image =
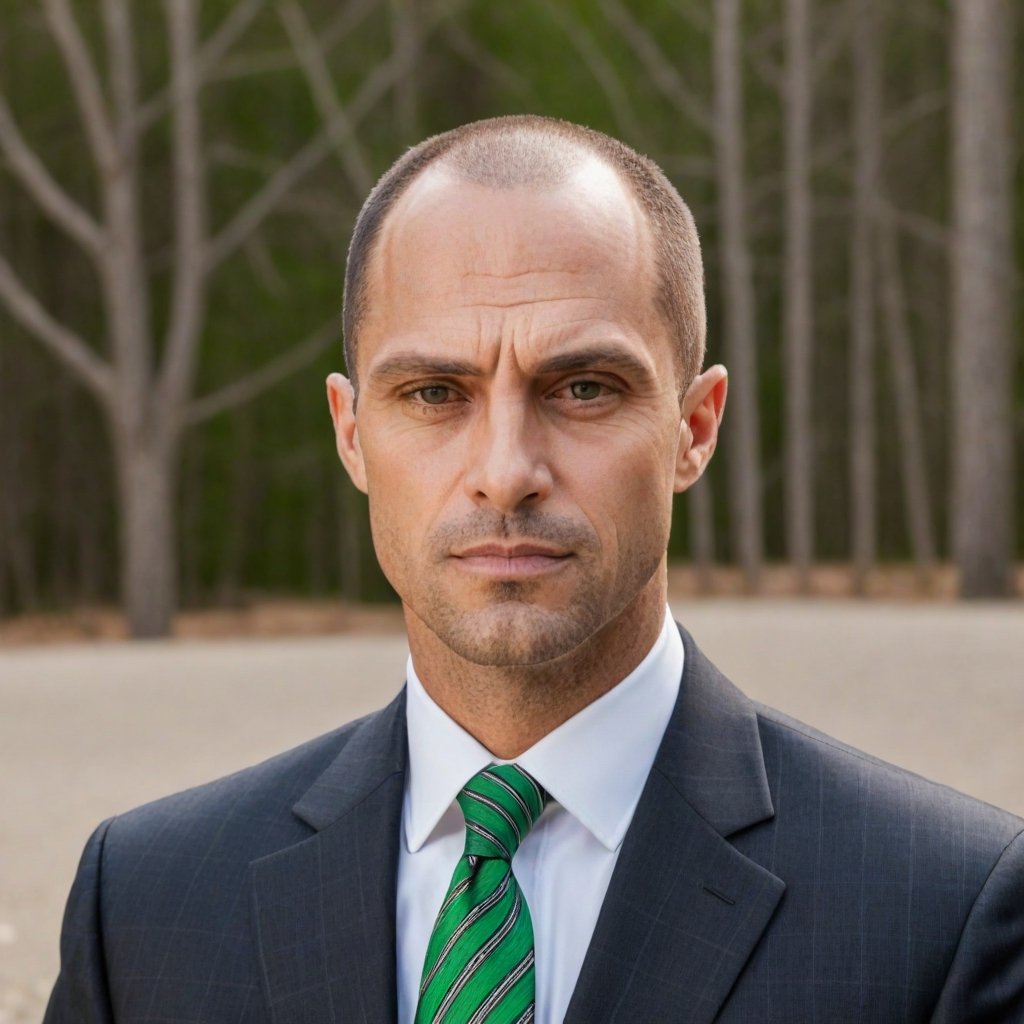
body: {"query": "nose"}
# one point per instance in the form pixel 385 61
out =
pixel 508 466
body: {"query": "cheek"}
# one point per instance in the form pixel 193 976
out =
pixel 407 492
pixel 630 470
pixel 626 492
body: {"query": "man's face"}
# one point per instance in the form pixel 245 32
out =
pixel 518 424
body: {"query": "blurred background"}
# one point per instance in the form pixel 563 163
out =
pixel 178 183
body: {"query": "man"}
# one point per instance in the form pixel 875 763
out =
pixel 567 813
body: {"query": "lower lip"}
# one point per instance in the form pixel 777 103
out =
pixel 499 567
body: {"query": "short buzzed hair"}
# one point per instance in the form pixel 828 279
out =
pixel 534 151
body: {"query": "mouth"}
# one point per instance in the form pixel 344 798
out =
pixel 509 561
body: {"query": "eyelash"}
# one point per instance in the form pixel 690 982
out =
pixel 415 395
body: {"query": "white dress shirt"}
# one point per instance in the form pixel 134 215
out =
pixel 594 766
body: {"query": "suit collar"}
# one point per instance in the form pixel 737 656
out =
pixel 625 725
pixel 325 908
pixel 375 751
pixel 711 750
pixel 685 909
pixel 682 915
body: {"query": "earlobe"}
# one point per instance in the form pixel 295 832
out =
pixel 703 406
pixel 342 402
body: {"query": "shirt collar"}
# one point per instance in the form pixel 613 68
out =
pixel 594 764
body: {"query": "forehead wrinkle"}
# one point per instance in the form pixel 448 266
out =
pixel 512 274
pixel 530 302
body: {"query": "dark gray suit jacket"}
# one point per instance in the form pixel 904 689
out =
pixel 770 874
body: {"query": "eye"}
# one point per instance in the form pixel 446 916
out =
pixel 434 394
pixel 585 390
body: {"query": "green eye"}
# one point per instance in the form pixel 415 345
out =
pixel 585 390
pixel 435 395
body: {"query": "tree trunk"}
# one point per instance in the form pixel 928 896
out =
pixel 798 327
pixel 147 526
pixel 982 348
pixel 738 311
pixel 866 115
pixel 913 457
pixel 242 502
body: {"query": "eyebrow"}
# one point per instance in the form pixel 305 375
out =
pixel 606 356
pixel 415 364
pixel 612 357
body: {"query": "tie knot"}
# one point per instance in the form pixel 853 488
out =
pixel 500 804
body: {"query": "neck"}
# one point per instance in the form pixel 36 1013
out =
pixel 509 708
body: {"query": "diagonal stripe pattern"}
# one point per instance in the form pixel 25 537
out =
pixel 479 963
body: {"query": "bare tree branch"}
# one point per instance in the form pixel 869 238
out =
pixel 257 252
pixel 245 389
pixel 215 65
pixel 230 155
pixel 662 71
pixel 582 41
pixel 260 206
pixel 64 211
pixel 840 27
pixel 834 153
pixel 321 85
pixel 352 15
pixel 696 15
pixel 85 83
pixel 230 30
pixel 920 107
pixel 759 50
pixel 121 57
pixel 189 209
pixel 407 41
pixel 918 226
pixel 247 65
pixel 466 46
pixel 60 340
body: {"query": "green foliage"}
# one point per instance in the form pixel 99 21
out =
pixel 264 505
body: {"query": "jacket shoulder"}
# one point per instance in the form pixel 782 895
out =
pixel 249 810
pixel 841 784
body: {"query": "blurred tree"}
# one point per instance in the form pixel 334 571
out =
pixel 983 297
pixel 145 383
pixel 798 325
pixel 907 405
pixel 867 113
pixel 738 303
pixel 300 104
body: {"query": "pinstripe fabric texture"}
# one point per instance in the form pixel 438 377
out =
pixel 479 967
pixel 771 875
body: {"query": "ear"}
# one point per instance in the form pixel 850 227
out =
pixel 342 400
pixel 703 405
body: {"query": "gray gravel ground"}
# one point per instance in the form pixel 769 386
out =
pixel 88 731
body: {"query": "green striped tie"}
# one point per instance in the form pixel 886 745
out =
pixel 479 963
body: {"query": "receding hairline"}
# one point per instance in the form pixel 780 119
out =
pixel 535 152
pixel 441 176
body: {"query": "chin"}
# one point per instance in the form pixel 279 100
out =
pixel 514 634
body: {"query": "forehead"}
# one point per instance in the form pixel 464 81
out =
pixel 452 251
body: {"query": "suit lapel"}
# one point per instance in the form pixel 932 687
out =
pixel 684 908
pixel 325 908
